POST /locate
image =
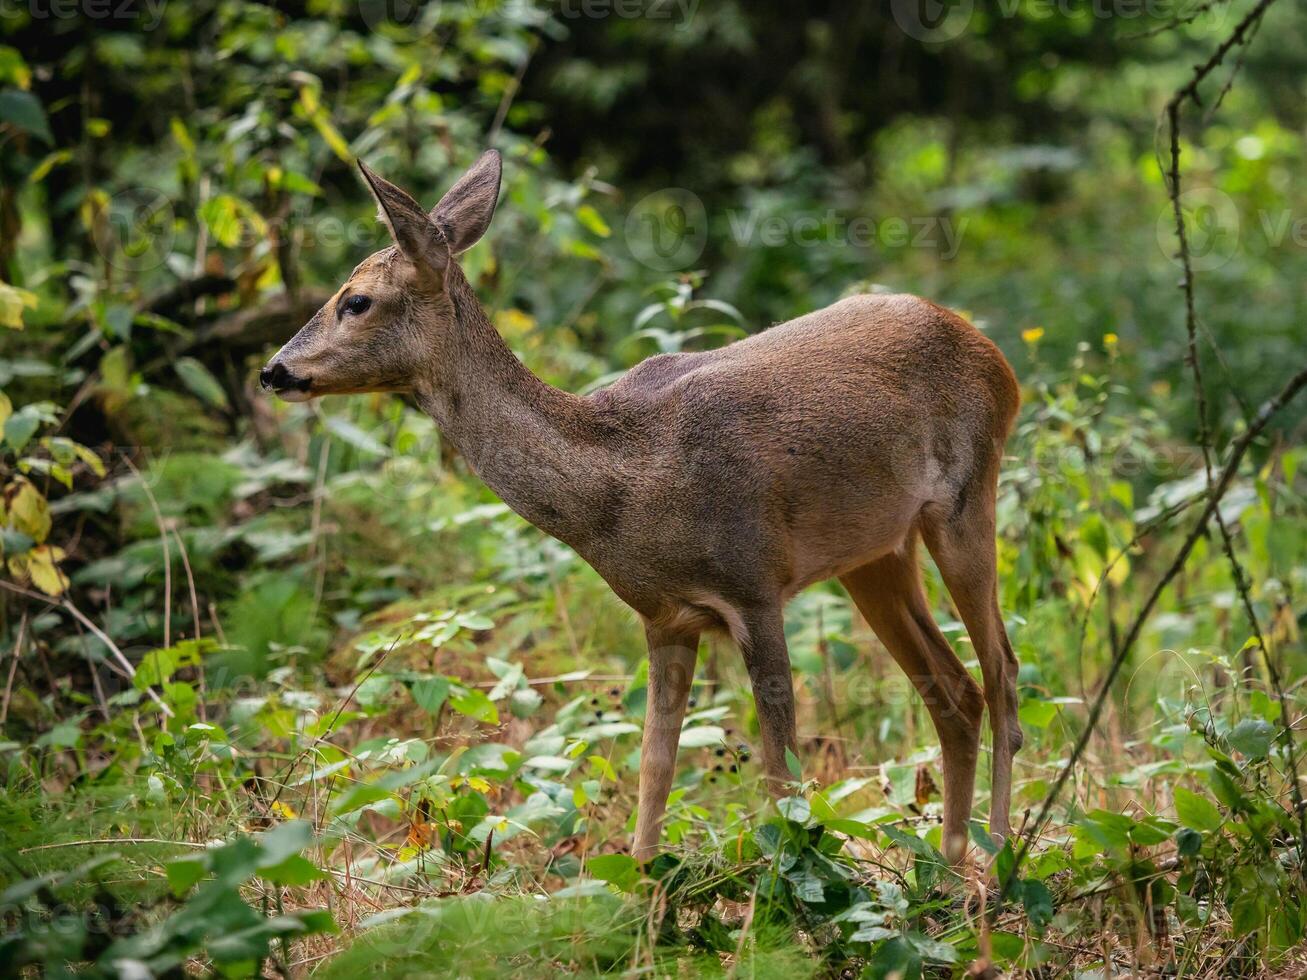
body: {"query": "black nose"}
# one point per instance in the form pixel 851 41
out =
pixel 275 376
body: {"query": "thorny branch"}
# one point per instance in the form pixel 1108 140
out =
pixel 1199 528
pixel 1216 486
pixel 1246 28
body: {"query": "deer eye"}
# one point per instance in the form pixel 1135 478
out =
pixel 357 304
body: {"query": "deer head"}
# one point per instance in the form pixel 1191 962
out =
pixel 382 328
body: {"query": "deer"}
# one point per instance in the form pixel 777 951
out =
pixel 709 487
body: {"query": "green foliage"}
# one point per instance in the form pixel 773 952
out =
pixel 320 641
pixel 106 937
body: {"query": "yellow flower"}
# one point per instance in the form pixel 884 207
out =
pixel 1032 335
pixel 514 322
pixel 1111 340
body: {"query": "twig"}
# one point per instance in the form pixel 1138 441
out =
pixel 167 551
pixel 510 93
pixel 114 840
pixel 1249 26
pixel 122 663
pixel 1239 448
pixel 281 784
pixel 1234 74
pixel 113 648
pixel 13 667
pixel 1190 90
pixel 1216 489
pixel 195 621
pixel 1188 18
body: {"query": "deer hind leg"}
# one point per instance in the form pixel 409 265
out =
pixel 888 592
pixel 761 637
pixel 963 546
pixel 672 655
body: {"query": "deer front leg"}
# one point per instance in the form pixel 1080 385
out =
pixel 768 663
pixel 671 674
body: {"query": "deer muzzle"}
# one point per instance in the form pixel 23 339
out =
pixel 285 385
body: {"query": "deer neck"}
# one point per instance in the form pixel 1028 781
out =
pixel 535 446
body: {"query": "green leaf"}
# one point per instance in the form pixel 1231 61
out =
pixel 13 69
pixel 1247 913
pixel 475 704
pixel 14 542
pixel 222 216
pixel 1038 902
pixel 350 433
pixel 201 382
pixel 430 692
pixel 983 838
pixel 1226 789
pixel 793 765
pixel 23 110
pixel 19 429
pixel 283 841
pixel 159 665
pixel 361 794
pixel 616 869
pixel 1252 737
pixel 702 736
pixel 893 958
pixel 1037 714
pixel 795 808
pixel 1007 946
pixel 933 949
pixel 184 873
pixel 296 871
pixel 1196 812
pixel 1188 841
pixel 1005 863
pixel 590 218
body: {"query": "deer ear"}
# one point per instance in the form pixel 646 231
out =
pixel 464 213
pixel 414 232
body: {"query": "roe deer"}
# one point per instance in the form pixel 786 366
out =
pixel 708 488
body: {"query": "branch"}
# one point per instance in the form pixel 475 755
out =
pixel 1247 27
pixel 1239 448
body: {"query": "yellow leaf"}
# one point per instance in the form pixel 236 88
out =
pixel 309 98
pixel 514 322
pixel 1032 335
pixel 89 457
pixel 6 409
pixel 94 210
pixel 182 136
pixel 592 221
pixel 40 567
pixel 411 74
pixel 49 163
pixel 29 512
pixel 283 810
pixel 12 303
pixel 332 137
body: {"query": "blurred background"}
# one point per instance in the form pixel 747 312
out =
pixel 1000 158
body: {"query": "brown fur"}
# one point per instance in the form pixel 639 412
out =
pixel 708 488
